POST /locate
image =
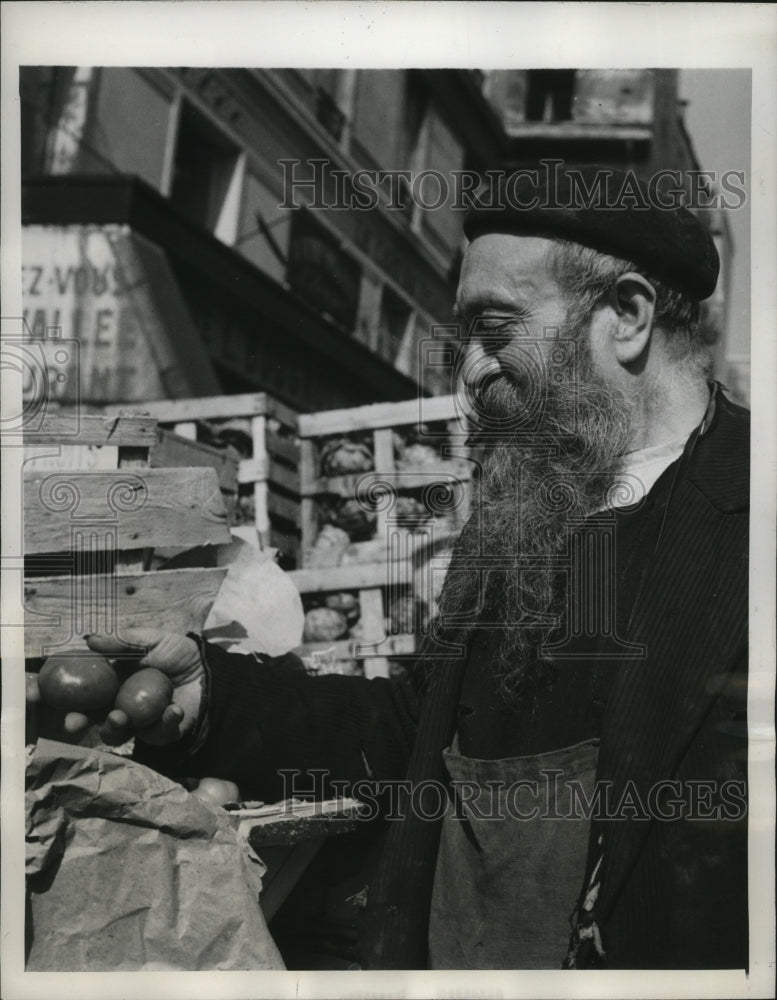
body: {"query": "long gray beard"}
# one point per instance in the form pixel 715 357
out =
pixel 529 496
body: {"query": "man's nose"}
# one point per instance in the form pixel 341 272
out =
pixel 492 344
pixel 477 364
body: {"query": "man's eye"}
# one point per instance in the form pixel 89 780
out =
pixel 495 326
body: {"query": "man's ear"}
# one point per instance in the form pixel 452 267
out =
pixel 634 302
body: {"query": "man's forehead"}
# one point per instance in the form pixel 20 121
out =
pixel 503 266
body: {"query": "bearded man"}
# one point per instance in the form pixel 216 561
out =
pixel 582 697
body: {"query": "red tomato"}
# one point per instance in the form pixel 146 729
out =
pixel 83 683
pixel 144 696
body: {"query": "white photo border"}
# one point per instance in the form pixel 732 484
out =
pixel 410 34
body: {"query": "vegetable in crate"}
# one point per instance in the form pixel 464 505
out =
pixel 410 513
pixel 373 551
pixel 341 457
pixel 330 545
pixel 236 433
pixel 331 537
pixel 415 455
pixel 245 510
pixel 407 614
pixel 324 625
pixel 351 516
pixel 347 604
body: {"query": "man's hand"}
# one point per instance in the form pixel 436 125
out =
pixel 177 656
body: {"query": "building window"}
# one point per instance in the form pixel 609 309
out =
pixel 321 273
pixel 332 93
pixel 380 107
pixel 368 319
pixel 395 315
pixel 439 150
pixel 329 114
pixel 207 174
pixel 549 95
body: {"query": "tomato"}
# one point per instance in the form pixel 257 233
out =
pixel 83 683
pixel 217 791
pixel 144 696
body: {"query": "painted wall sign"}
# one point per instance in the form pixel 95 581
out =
pixel 113 294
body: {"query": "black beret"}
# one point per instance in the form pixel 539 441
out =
pixel 608 210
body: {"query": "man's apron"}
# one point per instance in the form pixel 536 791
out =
pixel 505 886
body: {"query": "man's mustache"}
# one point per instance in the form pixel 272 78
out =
pixel 499 394
pixel 507 398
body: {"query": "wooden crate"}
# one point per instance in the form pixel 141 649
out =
pixel 268 469
pixel 390 624
pixel 402 555
pixel 90 531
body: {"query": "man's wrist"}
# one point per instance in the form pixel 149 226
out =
pixel 199 731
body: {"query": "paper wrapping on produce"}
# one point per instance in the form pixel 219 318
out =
pixel 128 871
pixel 257 609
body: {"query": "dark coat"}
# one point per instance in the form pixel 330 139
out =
pixel 673 894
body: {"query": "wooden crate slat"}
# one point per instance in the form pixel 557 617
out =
pixel 283 476
pixel 257 470
pixel 353 577
pixel 348 649
pixel 383 444
pixel 275 449
pixel 248 404
pixel 378 415
pixel 175 411
pixel 401 644
pixel 424 475
pixel 187 429
pixel 293 821
pixel 308 511
pixel 372 623
pixel 174 507
pixel 341 648
pixel 133 560
pixel 384 450
pixel 405 478
pixel 75 457
pixel 258 426
pixel 426 542
pixel 281 506
pixel 62 608
pixel 175 450
pixel 252 470
pixel 280 412
pixel 82 429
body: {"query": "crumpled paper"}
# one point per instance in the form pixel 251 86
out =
pixel 257 609
pixel 128 871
